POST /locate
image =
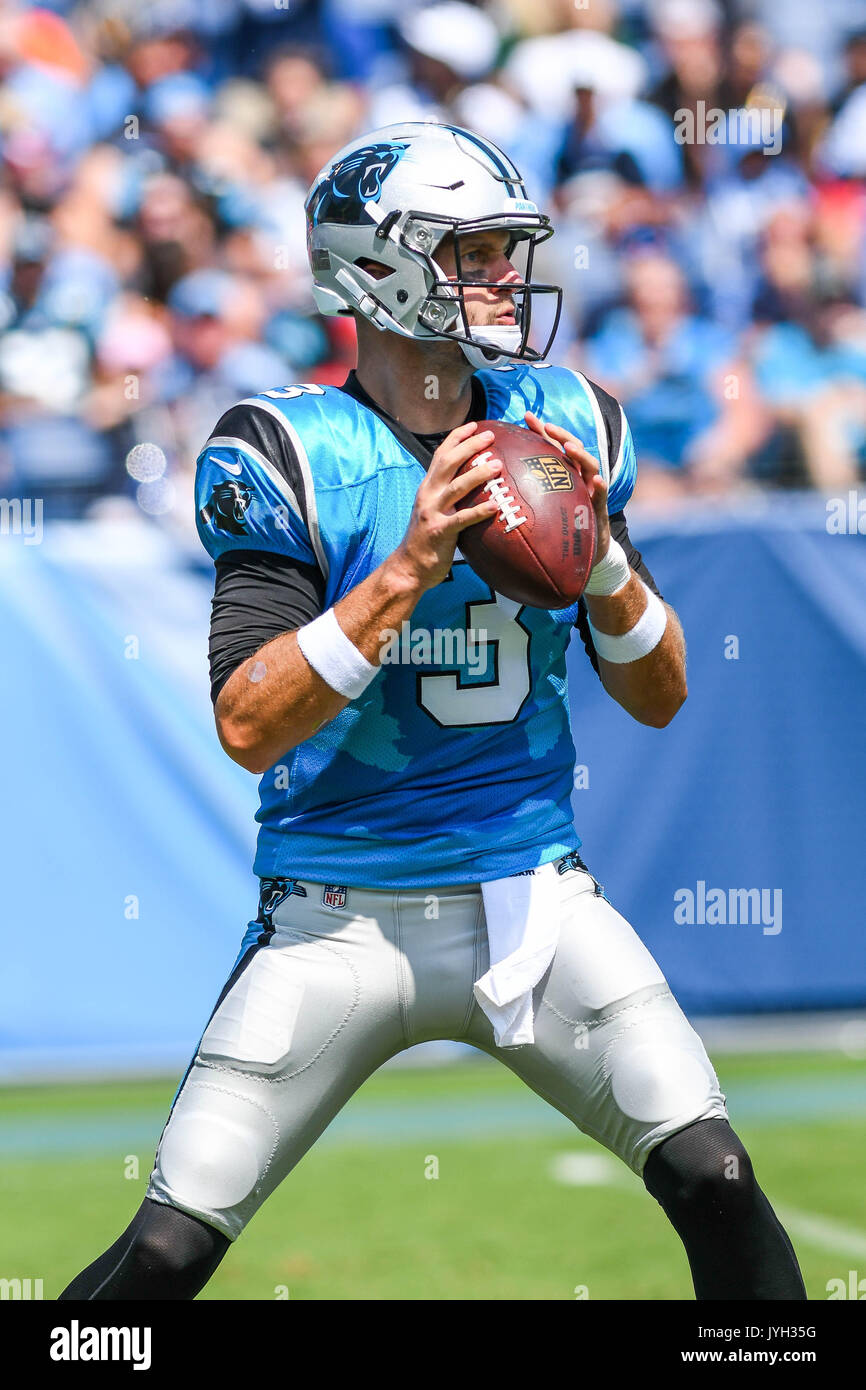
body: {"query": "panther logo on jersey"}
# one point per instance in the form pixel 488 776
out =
pixel 353 182
pixel 227 507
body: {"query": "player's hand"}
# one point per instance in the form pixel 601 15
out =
pixel 590 472
pixel 426 552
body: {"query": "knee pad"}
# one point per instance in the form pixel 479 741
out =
pixel 657 1074
pixel 657 1064
pixel 214 1153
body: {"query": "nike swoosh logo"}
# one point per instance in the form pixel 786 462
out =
pixel 230 467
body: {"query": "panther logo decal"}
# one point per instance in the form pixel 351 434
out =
pixel 353 182
pixel 273 892
pixel 227 507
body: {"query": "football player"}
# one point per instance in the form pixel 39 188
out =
pixel 420 871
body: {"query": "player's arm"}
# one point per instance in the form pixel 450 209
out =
pixel 651 687
pixel 619 533
pixel 275 698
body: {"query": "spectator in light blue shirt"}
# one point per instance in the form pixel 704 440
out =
pixel 688 398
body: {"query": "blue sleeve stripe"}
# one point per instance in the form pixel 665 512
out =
pixel 600 429
pixel 226 441
pixel 306 474
pixel 623 440
pixel 623 475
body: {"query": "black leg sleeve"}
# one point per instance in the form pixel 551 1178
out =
pixel 737 1249
pixel 163 1254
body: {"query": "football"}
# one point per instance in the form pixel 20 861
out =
pixel 540 546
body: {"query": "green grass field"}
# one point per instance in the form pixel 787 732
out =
pixel 523 1207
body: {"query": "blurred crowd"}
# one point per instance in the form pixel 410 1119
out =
pixel 703 162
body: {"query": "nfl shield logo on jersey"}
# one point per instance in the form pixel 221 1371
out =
pixel 333 895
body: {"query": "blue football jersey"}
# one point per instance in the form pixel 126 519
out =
pixel 456 764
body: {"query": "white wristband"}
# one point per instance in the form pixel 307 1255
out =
pixel 639 640
pixel 610 574
pixel 336 659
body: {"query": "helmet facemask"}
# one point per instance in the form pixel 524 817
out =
pixel 445 313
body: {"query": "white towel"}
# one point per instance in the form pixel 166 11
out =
pixel 522 931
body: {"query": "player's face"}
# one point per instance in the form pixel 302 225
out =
pixel 483 259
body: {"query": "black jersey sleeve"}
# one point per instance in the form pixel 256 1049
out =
pixel 257 596
pixel 261 593
pixel 619 532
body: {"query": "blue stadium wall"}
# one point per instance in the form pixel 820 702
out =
pixel 127 835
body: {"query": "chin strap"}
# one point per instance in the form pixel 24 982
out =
pixel 485 350
pixel 488 341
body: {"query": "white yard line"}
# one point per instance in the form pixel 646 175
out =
pixel 823 1232
pixel 587 1170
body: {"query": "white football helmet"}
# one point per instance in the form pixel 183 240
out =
pixel 391 196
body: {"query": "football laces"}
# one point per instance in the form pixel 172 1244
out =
pixel 501 494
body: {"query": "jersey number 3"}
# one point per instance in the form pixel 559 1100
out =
pixel 501 642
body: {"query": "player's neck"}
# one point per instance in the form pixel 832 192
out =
pixel 425 386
